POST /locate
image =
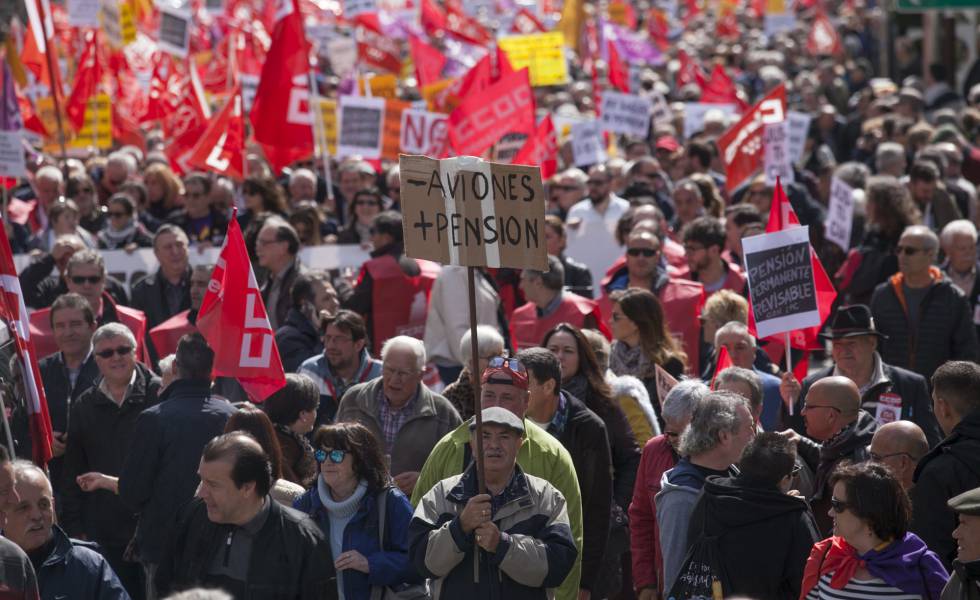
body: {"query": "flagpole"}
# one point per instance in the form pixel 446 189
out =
pixel 789 367
pixel 6 427
pixel 321 149
pixel 54 87
pixel 475 377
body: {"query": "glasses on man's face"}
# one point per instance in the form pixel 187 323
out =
pixel 807 407
pixel 907 250
pixel 83 279
pixel 109 352
pixel 647 252
pixel 336 456
pixel 839 506
pixel 880 457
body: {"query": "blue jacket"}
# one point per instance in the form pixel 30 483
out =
pixel 390 567
pixel 75 570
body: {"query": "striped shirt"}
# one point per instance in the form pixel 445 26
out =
pixel 858 589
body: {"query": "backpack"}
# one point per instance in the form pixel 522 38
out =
pixel 702 576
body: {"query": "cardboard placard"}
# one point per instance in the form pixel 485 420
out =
pixel 97 130
pixel 587 145
pixel 423 132
pixel 360 123
pixel 83 13
pixel 694 115
pixel 627 114
pixel 798 127
pixel 542 53
pixel 328 114
pixel 469 212
pixel 780 278
pixel 665 383
pixel 12 163
pixel 840 214
pixel 776 158
pixel 175 31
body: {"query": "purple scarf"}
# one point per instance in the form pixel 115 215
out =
pixel 909 566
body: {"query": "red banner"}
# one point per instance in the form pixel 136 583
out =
pixel 741 146
pixel 482 119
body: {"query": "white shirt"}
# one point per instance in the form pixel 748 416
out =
pixel 593 241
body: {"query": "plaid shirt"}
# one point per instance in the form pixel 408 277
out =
pixel 391 419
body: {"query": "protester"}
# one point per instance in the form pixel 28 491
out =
pixel 740 345
pixel 122 230
pixel 402 412
pixel 704 241
pixel 364 206
pixel 958 241
pixel 578 279
pixel 967 535
pixel 899 445
pixel 292 409
pixel 276 247
pixel 166 335
pixel 489 345
pixel 298 338
pixel 167 292
pixel 203 224
pixel 522 522
pixel 253 421
pixel 18 573
pixel 369 549
pixel 41 285
pixel 62 220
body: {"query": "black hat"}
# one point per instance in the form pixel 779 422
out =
pixel 852 321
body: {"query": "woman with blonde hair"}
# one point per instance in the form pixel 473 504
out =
pixel 163 190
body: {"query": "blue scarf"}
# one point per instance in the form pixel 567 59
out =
pixel 910 566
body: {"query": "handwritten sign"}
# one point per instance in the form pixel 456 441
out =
pixel 470 212
pixel 625 113
pixel 840 214
pixel 360 126
pixel 797 127
pixel 776 157
pixel 780 277
pixel 12 163
pixel 423 132
pixel 542 53
pixel 587 146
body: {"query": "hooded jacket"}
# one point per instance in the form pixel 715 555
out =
pixel 779 527
pixel 297 340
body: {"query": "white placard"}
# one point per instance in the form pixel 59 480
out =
pixel 777 161
pixel 780 277
pixel 628 114
pixel 779 22
pixel 83 13
pixel 660 112
pixel 587 146
pixel 694 115
pixel 840 214
pixel 342 52
pixel 798 126
pixel 360 125
pixel 175 31
pixel 12 163
pixel 352 8
pixel 423 132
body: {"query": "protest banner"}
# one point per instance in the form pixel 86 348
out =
pixel 175 31
pixel 840 214
pixel 542 53
pixel 83 13
pixel 359 126
pixel 694 113
pixel 627 114
pixel 391 136
pixel 12 163
pixel 97 130
pixel 780 279
pixel 798 127
pixel 776 157
pixel 587 146
pixel 466 211
pixel 423 132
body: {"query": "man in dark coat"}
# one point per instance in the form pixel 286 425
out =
pixel 41 287
pixel 953 466
pixel 959 243
pixel 299 338
pixel 166 292
pixel 888 393
pixel 276 247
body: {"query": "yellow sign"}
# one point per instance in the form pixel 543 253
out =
pixel 542 53
pixel 775 7
pixel 617 13
pixel 97 130
pixel 382 86
pixel 328 114
pixel 432 92
pixel 127 24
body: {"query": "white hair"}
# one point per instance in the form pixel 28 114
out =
pixel 737 328
pixel 405 342
pixel 167 364
pixel 113 330
pixel 958 227
pixel 50 173
pixel 302 174
pixel 683 398
pixel 488 340
pixel 25 468
pixel 127 160
pixel 889 154
pixel 393 173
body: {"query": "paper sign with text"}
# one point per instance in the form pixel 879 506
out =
pixel 542 53
pixel 175 32
pixel 587 146
pixel 83 13
pixel 391 143
pixel 627 114
pixel 97 130
pixel 660 112
pixel 776 157
pixel 694 113
pixel 360 125
pixel 470 212
pixel 780 278
pixel 342 52
pixel 328 115
pixel 840 214
pixel 798 127
pixel 423 132
pixel 352 8
pixel 380 86
pixel 12 163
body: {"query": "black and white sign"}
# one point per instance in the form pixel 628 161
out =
pixel 840 214
pixel 694 113
pixel 12 162
pixel 777 161
pixel 175 31
pixel 780 277
pixel 628 114
pixel 797 127
pixel 587 146
pixel 360 126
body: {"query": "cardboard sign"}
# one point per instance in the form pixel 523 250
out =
pixel 380 86
pixel 12 163
pixel 889 409
pixel 469 212
pixel 507 148
pixel 352 8
pixel 423 132
pixel 175 31
pixel 840 214
pixel 587 145
pixel 780 278
pixel 542 53
pixel 328 116
pixel 391 142
pixel 798 127
pixel 628 114
pixel 776 157
pixel 694 115
pixel 97 131
pixel 360 124
pixel 665 383
pixel 83 13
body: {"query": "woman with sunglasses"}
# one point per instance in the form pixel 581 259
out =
pixel 81 189
pixel 345 502
pixel 872 553
pixel 364 206
pixel 122 229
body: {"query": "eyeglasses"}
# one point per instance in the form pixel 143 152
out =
pixel 115 214
pixel 336 456
pixel 839 506
pixel 499 362
pixel 908 250
pixel 120 350
pixel 880 457
pixel 807 407
pixel 83 279
pixel 647 252
pixel 598 181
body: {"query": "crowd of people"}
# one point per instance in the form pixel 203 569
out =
pixel 622 459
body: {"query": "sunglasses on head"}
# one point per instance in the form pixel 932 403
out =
pixel 499 362
pixel 647 252
pixel 83 279
pixel 120 350
pixel 336 456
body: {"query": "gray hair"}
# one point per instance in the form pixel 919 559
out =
pixel 405 342
pixel 25 468
pixel 167 364
pixel 554 277
pixel 50 173
pixel 737 328
pixel 683 399
pixel 393 173
pixel 113 330
pixel 958 227
pixel 889 154
pixel 126 159
pixel 302 174
pixel 921 231
pixel 575 174
pixel 715 413
pixel 86 257
pixel 745 376
pixel 488 339
pixel 854 174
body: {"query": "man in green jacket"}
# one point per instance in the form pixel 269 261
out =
pixel 541 455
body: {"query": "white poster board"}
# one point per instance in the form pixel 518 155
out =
pixel 175 31
pixel 587 146
pixel 83 13
pixel 694 115
pixel 360 126
pixel 423 132
pixel 12 163
pixel 342 52
pixel 780 278
pixel 776 157
pixel 798 126
pixel 627 114
pixel 353 8
pixel 840 214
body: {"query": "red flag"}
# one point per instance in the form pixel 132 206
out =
pixel 281 119
pixel 526 23
pixel 724 361
pixel 619 74
pixel 540 149
pixel 238 330
pixel 433 19
pixel 429 61
pixel 689 72
pixel 376 50
pixel 482 119
pixel 658 26
pixel 464 27
pixel 88 77
pixel 222 146
pixel 823 39
pixel 40 26
pixel 728 27
pixel 186 124
pixel 474 81
pixel 719 89
pixel 741 146
pixel 14 312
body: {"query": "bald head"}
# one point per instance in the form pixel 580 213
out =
pixel 831 405
pixel 900 437
pixel 839 392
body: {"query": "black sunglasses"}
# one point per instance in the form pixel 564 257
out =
pixel 839 506
pixel 336 456
pixel 120 350
pixel 82 279
pixel 647 252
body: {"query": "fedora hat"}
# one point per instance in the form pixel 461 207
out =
pixel 852 321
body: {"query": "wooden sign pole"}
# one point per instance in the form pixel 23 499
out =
pixel 477 377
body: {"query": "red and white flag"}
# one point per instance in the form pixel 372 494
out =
pixel 187 123
pixel 724 362
pixel 619 72
pixel 823 39
pixel 14 312
pixel 429 61
pixel 88 78
pixel 741 146
pixel 540 149
pixel 482 119
pixel 222 147
pixel 238 329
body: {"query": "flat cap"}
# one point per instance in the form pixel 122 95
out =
pixel 967 503
pixel 496 415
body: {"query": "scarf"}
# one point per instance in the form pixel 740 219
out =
pixel 116 238
pixel 624 360
pixel 905 564
pixel 577 386
pixel 969 576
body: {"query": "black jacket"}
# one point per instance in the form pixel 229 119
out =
pixel 290 557
pixel 41 289
pixel 972 296
pixel 99 435
pixel 951 468
pixel 148 297
pixel 911 387
pixel 778 527
pixel 75 569
pixel 159 473
pixel 297 340
pixel 945 327
pixel 578 277
pixel 215 234
pixel 867 266
pixel 283 300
